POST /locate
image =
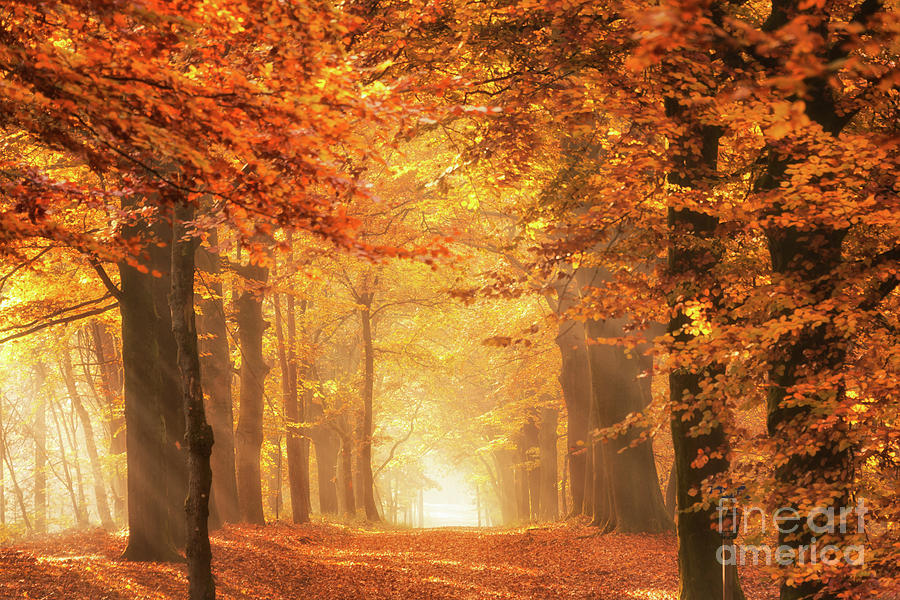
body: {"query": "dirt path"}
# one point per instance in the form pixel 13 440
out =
pixel 329 562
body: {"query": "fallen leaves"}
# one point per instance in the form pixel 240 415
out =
pixel 322 561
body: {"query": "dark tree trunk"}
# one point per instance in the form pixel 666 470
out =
pixel 802 397
pixel 505 484
pixel 91 445
pixel 693 254
pixel 198 438
pixel 590 452
pixel 169 385
pixel 276 459
pixel 298 459
pixel 575 381
pixel 215 366
pixel 602 499
pixel 549 501
pixel 328 447
pixel 521 476
pixel 532 467
pixel 564 486
pixel 149 538
pixel 364 433
pixel 631 472
pixel 804 428
pixel 346 473
pixel 249 435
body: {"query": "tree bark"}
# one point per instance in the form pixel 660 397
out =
pixel 802 397
pixel 327 447
pixel 149 538
pixel 817 465
pixel 326 470
pixel 693 254
pixel 575 382
pixel 631 472
pixel 169 385
pixel 505 484
pixel 198 434
pixel 364 430
pixel 590 453
pixel 215 368
pixel 249 434
pixel 532 468
pixel 549 502
pixel 298 459
pixel 346 474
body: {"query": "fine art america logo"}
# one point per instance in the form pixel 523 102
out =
pixel 822 522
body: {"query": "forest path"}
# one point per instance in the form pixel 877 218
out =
pixel 337 563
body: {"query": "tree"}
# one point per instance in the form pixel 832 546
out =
pixel 198 434
pixel 215 364
pixel 249 432
pixel 106 520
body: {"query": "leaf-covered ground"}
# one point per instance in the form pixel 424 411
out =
pixel 330 562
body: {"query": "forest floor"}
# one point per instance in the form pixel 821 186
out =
pixel 332 562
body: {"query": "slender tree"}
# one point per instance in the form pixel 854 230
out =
pixel 198 434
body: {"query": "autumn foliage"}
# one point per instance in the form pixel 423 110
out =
pixel 593 270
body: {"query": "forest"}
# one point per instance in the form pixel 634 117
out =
pixel 449 299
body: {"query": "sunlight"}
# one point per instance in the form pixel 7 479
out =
pixel 451 505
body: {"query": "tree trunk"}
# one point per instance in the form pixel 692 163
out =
pixel 604 515
pixel 111 387
pixel 575 381
pixel 532 468
pixel 421 511
pixel 149 538
pixel 91 445
pixel 215 367
pixel 249 435
pixel 198 434
pixel 364 430
pixel 298 460
pixel 327 450
pixel 805 362
pixel 276 458
pixel 17 489
pixel 549 501
pixel 591 452
pixel 74 487
pixel 346 473
pixel 169 386
pixel 802 364
pixel 693 254
pixel 631 472
pixel 564 485
pixel 40 451
pixel 505 484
